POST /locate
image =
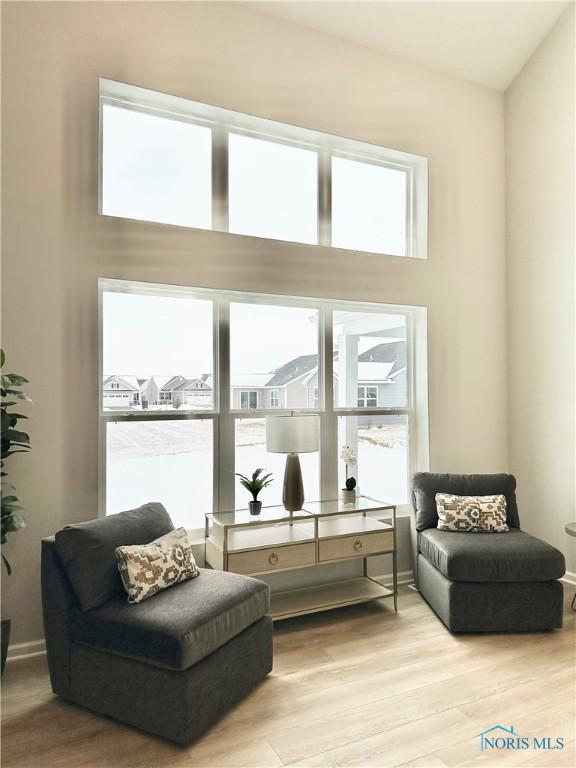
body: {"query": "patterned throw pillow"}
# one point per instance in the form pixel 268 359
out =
pixel 147 568
pixel 477 514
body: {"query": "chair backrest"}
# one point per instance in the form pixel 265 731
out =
pixel 425 486
pixel 88 550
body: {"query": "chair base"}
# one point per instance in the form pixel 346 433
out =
pixel 179 706
pixel 491 607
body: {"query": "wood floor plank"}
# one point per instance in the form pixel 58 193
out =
pixel 398 745
pixel 554 759
pixel 425 762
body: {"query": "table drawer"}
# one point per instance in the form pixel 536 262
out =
pixel 272 558
pixel 356 546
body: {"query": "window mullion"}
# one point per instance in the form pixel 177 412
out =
pixel 220 178
pixel 324 199
pixel 328 423
pixel 226 441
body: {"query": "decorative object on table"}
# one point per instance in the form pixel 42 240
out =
pixel 348 455
pixel 13 441
pixel 292 435
pixel 254 485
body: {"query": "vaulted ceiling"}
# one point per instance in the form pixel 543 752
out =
pixel 485 42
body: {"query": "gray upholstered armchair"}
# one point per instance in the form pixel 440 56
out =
pixel 483 582
pixel 170 665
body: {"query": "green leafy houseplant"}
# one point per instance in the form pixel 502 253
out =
pixel 254 485
pixel 13 440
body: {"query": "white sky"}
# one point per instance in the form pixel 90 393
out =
pixel 166 335
pixel 264 337
pixel 147 335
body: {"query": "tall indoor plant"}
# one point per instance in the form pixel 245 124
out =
pixel 13 440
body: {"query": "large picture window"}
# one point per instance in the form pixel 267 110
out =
pixel 189 376
pixel 175 161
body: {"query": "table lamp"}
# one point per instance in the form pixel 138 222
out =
pixel 292 435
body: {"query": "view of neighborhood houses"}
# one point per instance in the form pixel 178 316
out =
pixel 369 363
pixel 153 361
pixel 380 382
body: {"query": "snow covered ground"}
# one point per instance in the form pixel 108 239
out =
pixel 171 462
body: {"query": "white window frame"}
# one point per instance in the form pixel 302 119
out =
pixel 224 416
pixel 226 121
pixel 274 398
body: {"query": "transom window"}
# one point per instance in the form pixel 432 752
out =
pixel 173 441
pixel 174 161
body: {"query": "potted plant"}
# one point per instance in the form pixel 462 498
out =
pixel 348 455
pixel 13 441
pixel 254 485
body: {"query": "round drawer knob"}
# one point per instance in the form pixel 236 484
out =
pixel 357 545
pixel 273 559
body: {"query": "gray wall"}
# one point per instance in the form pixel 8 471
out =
pixel 55 246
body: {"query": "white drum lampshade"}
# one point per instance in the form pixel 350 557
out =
pixel 292 435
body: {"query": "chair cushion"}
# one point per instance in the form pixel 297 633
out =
pixel 179 626
pixel 88 550
pixel 506 557
pixel 426 485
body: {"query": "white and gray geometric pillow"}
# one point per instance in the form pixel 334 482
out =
pixel 475 514
pixel 147 568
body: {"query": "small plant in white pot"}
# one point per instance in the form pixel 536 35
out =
pixel 348 456
pixel 254 485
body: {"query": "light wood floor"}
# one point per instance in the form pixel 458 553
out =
pixel 359 686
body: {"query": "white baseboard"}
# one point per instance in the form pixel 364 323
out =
pixel 21 651
pixel 570 578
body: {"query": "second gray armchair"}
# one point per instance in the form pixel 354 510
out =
pixel 483 582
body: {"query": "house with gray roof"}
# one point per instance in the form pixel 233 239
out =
pixel 121 392
pixel 380 372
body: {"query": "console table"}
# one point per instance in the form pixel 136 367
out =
pixel 323 532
